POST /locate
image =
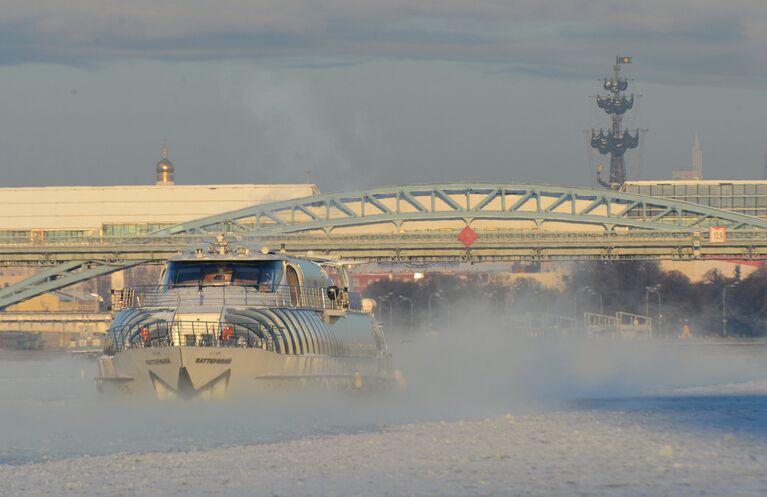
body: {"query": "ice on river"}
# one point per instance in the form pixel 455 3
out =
pixel 659 446
pixel 516 417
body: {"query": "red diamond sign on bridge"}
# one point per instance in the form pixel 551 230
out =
pixel 467 236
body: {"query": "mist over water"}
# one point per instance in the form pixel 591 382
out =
pixel 478 365
pixel 482 363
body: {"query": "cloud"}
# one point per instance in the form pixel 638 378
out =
pixel 572 38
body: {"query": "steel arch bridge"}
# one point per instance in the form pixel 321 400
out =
pixel 419 223
pixel 469 202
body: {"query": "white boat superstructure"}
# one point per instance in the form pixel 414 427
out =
pixel 224 321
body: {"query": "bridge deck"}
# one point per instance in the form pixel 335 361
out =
pixel 490 245
pixel 420 223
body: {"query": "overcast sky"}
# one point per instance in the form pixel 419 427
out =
pixel 363 93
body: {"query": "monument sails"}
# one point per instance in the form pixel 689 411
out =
pixel 616 140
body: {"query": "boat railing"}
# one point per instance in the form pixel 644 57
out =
pixel 236 295
pixel 192 334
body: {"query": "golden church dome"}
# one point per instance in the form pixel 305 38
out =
pixel 165 169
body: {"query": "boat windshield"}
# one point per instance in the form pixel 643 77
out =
pixel 264 275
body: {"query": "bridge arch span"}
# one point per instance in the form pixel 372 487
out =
pixel 516 206
pixel 629 226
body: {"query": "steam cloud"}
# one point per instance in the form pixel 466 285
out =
pixel 478 366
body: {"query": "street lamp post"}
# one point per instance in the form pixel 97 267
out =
pixel 654 289
pixel 438 293
pixel 647 301
pixel 593 293
pixel 575 298
pixel 407 299
pixel 387 298
pixel 724 306
pixel 601 302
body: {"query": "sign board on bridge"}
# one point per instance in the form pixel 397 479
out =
pixel 717 234
pixel 467 236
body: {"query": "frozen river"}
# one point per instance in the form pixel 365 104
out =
pixel 499 416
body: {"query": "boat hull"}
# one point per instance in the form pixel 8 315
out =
pixel 215 372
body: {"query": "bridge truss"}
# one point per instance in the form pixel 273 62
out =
pixel 419 223
pixel 469 203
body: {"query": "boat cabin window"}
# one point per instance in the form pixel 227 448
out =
pixel 264 275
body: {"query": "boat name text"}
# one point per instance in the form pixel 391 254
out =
pixel 213 360
pixel 155 362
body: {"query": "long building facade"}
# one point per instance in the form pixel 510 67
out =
pixel 74 211
pixel 742 196
pixel 69 213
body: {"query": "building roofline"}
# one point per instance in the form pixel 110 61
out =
pixel 165 187
pixel 696 182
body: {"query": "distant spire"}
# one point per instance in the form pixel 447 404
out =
pixel 697 158
pixel 165 148
pixel 696 167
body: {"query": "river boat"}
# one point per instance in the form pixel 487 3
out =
pixel 232 320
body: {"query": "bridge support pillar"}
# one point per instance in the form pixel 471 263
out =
pixel 117 279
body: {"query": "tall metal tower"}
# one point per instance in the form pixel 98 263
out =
pixel 616 140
